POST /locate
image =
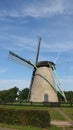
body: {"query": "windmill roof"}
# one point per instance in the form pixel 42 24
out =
pixel 46 63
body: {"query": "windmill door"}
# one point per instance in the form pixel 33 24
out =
pixel 46 98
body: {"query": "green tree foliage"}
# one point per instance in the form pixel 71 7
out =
pixel 23 95
pixel 69 96
pixel 8 95
pixel 60 97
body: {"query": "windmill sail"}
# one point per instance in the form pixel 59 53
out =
pixel 38 49
pixel 16 58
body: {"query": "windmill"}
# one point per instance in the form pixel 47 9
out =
pixel 42 86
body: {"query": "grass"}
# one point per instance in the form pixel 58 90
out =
pixel 29 127
pixel 68 111
pixel 66 105
pixel 34 128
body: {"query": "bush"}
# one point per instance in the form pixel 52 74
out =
pixel 35 118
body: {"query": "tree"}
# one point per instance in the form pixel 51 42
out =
pixel 8 95
pixel 3 96
pixel 23 95
pixel 13 94
pixel 60 97
pixel 68 94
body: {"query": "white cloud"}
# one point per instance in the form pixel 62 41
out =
pixel 17 43
pixel 39 8
pixel 6 84
pixel 44 9
pixel 48 8
pixel 58 47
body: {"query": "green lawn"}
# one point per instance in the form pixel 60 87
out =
pixel 34 128
pixel 29 127
pixel 68 111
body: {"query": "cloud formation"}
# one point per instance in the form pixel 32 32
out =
pixel 38 8
pixel 19 43
pixel 6 84
pixel 58 47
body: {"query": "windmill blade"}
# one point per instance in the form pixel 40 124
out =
pixel 38 49
pixel 57 57
pixel 14 57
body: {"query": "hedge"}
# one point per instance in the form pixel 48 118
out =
pixel 35 118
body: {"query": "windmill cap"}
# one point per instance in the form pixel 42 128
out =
pixel 46 63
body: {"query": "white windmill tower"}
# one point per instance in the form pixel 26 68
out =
pixel 42 86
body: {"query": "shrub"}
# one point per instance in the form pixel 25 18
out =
pixel 35 118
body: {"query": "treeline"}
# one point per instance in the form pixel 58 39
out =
pixel 68 94
pixel 14 94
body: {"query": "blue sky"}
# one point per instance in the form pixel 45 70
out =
pixel 21 22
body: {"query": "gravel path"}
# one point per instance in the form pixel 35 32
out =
pixel 61 123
